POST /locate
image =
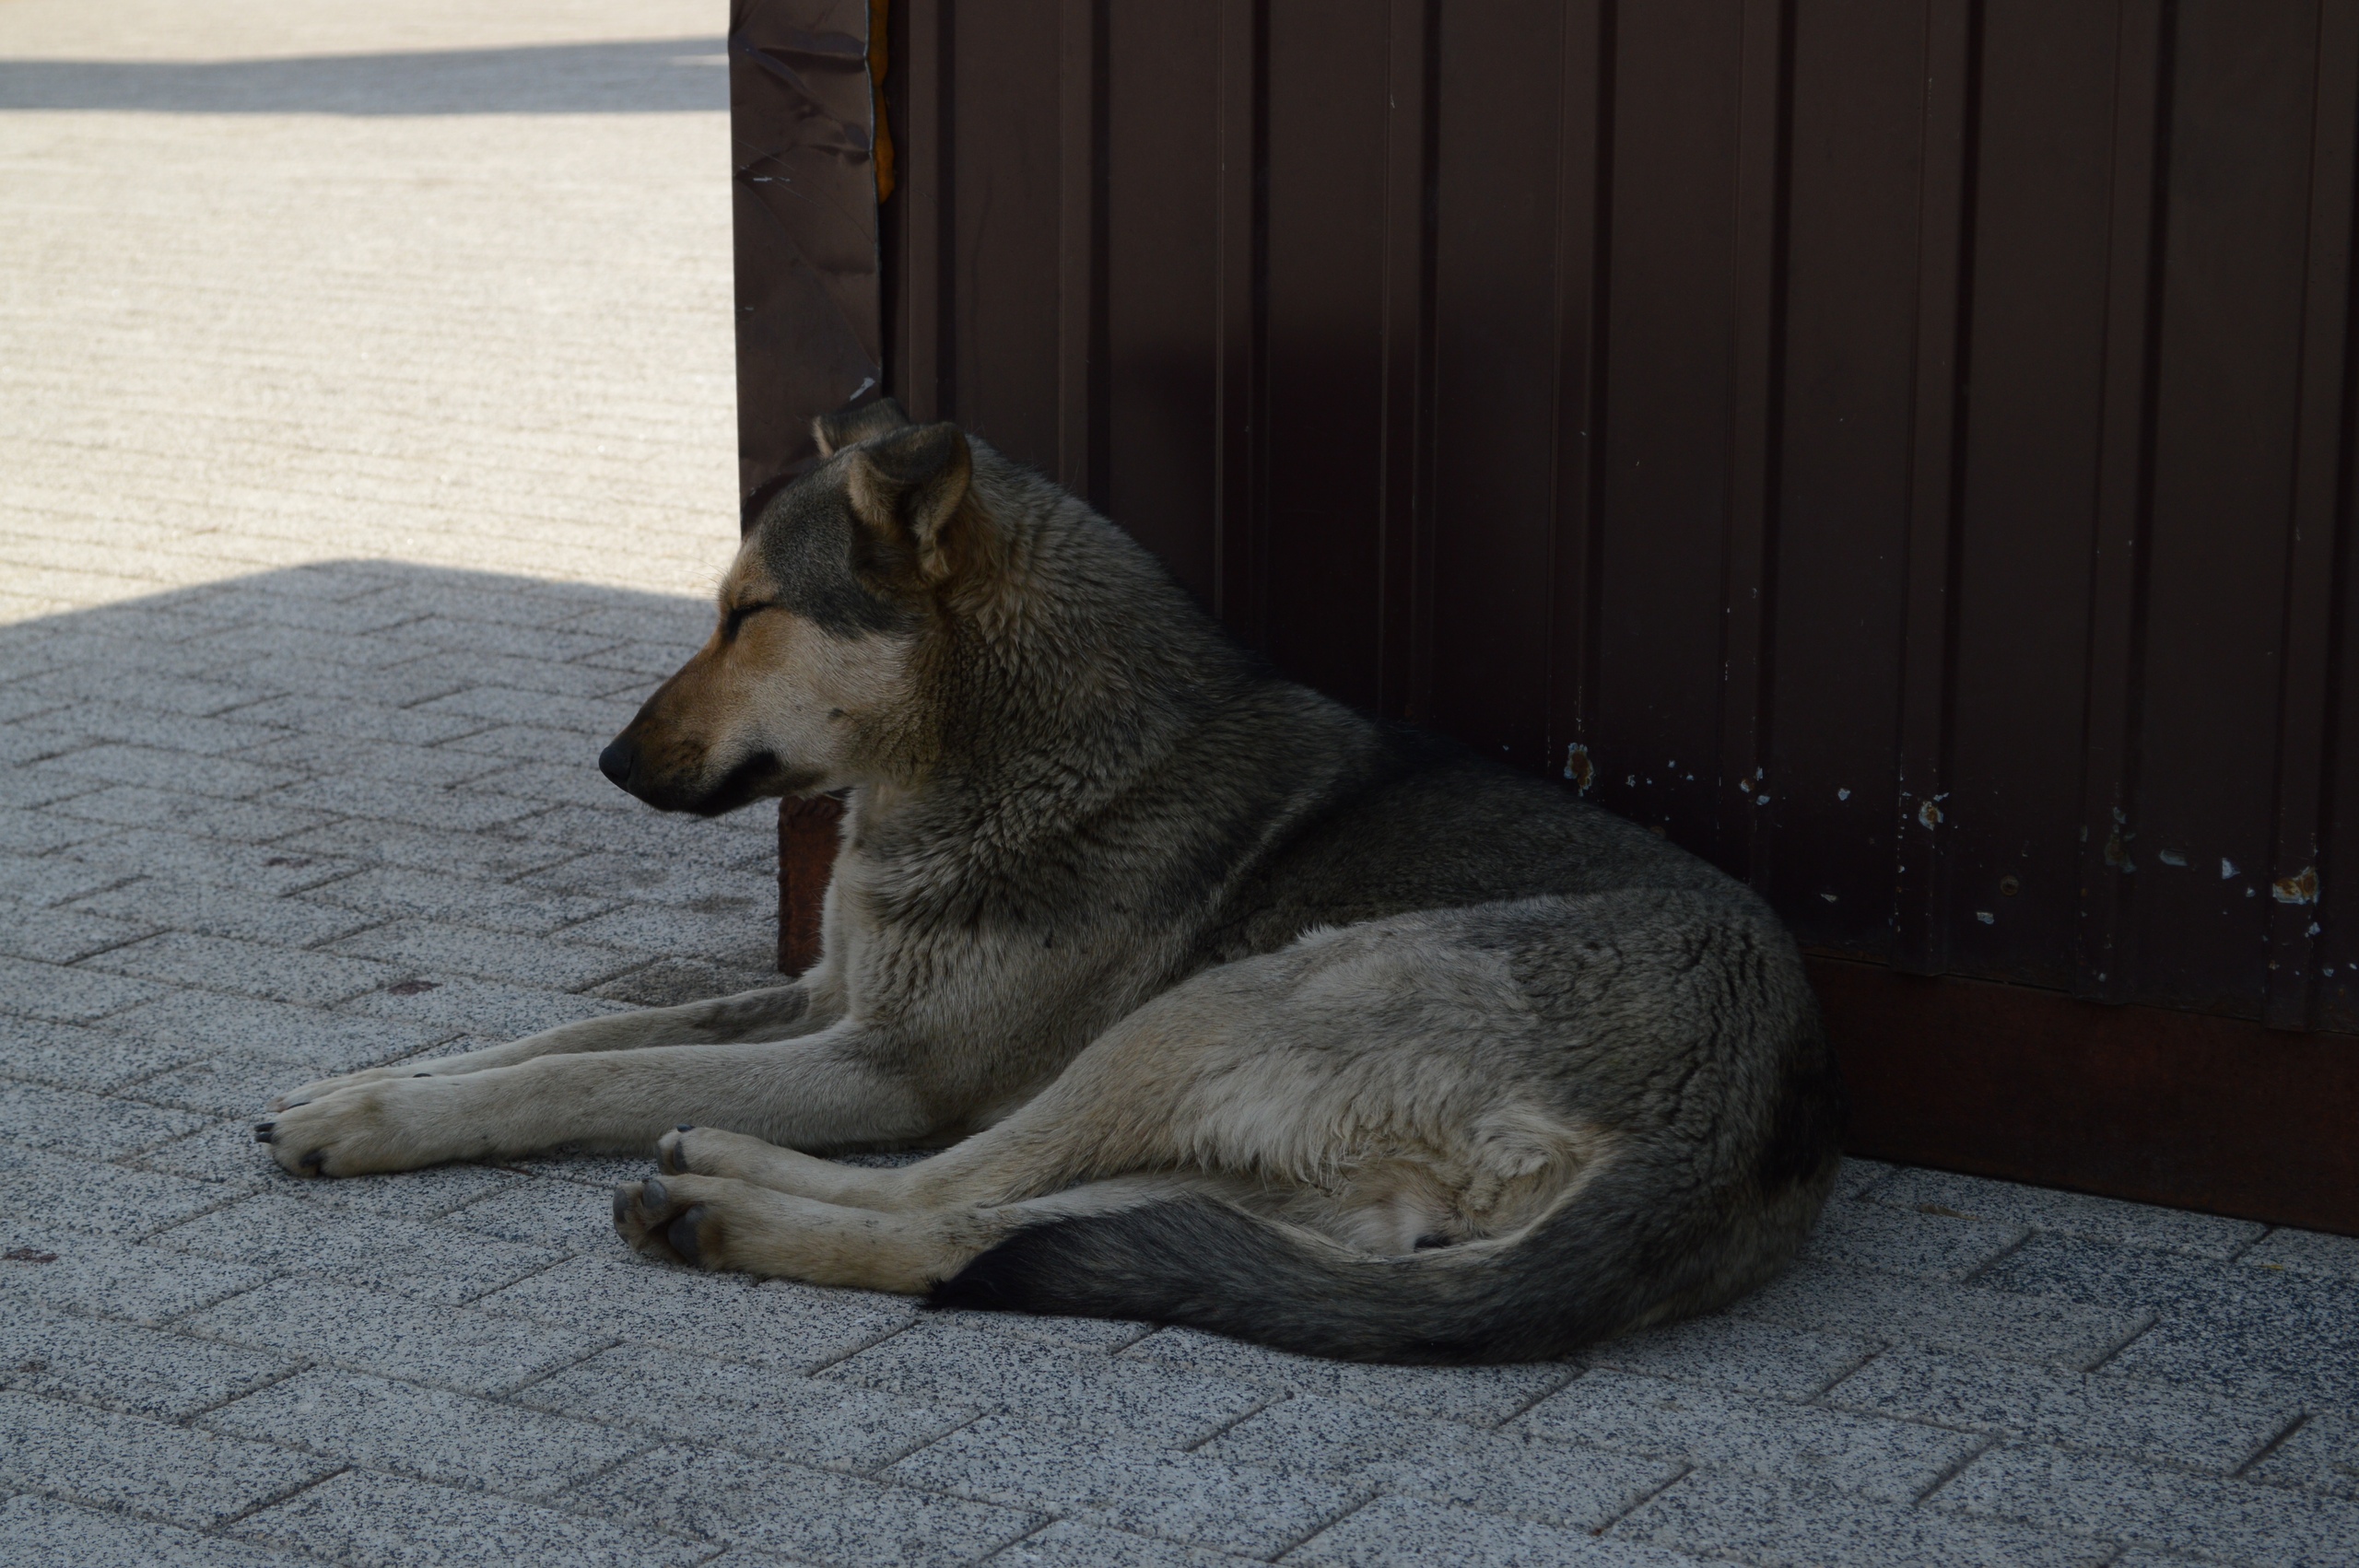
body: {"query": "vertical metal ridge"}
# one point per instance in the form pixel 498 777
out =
pixel 1243 329
pixel 1404 588
pixel 1080 253
pixel 2105 954
pixel 924 190
pixel 1764 200
pixel 1944 288
pixel 1584 145
pixel 2313 545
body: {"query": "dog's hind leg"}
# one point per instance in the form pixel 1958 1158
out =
pixel 775 1012
pixel 720 1224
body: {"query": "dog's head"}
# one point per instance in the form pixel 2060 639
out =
pixel 806 683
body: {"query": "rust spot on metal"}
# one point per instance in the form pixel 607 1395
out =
pixel 2302 887
pixel 2008 886
pixel 1577 768
pixel 1929 814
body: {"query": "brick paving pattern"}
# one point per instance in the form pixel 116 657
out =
pixel 365 450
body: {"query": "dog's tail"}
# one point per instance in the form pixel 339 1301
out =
pixel 1631 1244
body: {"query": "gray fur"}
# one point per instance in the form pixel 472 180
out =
pixel 1240 1010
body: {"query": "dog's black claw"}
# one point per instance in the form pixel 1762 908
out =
pixel 421 1075
pixel 622 1204
pixel 264 1131
pixel 669 1160
pixel 652 1193
pixel 683 1236
pixel 686 1127
pixel 313 1160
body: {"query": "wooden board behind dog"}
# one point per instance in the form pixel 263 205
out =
pixel 1235 1008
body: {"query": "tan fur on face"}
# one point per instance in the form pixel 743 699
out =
pixel 834 712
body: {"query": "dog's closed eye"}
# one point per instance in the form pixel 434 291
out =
pixel 737 613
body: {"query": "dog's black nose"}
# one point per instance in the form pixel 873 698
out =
pixel 616 762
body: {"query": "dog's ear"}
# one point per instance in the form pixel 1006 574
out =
pixel 908 489
pixel 856 422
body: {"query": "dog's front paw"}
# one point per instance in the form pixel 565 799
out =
pixel 326 1086
pixel 369 1126
pixel 667 1218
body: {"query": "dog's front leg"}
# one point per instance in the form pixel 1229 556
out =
pixel 775 1012
pixel 822 1091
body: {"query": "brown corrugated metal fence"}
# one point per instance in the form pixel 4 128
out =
pixel 1901 450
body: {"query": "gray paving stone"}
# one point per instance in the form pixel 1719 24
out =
pixel 95 1127
pixel 1737 1354
pixel 504 636
pixel 1784 1524
pixel 124 1367
pixel 40 879
pixel 98 1058
pixel 714 889
pixel 531 674
pixel 1098 1336
pixel 2077 1410
pixel 753 1409
pixel 2222 1325
pixel 248 969
pixel 158 693
pixel 776 1323
pixel 1180 1497
pixel 504 704
pixel 39 833
pixel 1146 1403
pixel 2117 1498
pixel 668 982
pixel 1486 1395
pixel 211 909
pixel 371 1332
pixel 1864 1236
pixel 540 963
pixel 1888 1459
pixel 738 937
pixel 538 1212
pixel 390 892
pixel 2307 1252
pixel 494 855
pixel 241 822
pixel 45 1265
pixel 40 1532
pixel 109 1460
pixel 391 687
pixel 65 935
pixel 67 996
pixel 262 869
pixel 524 743
pixel 1868 1304
pixel 1403 1532
pixel 152 768
pixel 240 643
pixel 366 722
pixel 716 841
pixel 465 810
pixel 280 1233
pixel 430 1434
pixel 22 789
pixel 1946 1194
pixel 108 1200
pixel 1068 1543
pixel 255 1031
pixel 392 1522
pixel 2322 1455
pixel 481 1007
pixel 1512 1473
pixel 812 1515
pixel 91 723
pixel 583 1169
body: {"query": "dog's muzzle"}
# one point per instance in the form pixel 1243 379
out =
pixel 617 761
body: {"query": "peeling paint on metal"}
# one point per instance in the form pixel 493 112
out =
pixel 1986 916
pixel 1929 814
pixel 2170 857
pixel 2228 868
pixel 1842 794
pixel 1578 766
pixel 2302 887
